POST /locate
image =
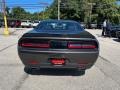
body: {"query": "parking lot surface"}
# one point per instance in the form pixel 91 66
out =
pixel 104 75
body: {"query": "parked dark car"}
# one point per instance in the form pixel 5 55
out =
pixel 0 24
pixel 118 34
pixel 112 30
pixel 11 23
pixel 14 23
pixel 58 44
pixel 100 25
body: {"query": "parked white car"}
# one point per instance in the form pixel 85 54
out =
pixel 35 23
pixel 26 23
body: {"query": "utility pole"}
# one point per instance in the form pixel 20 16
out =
pixel 6 32
pixel 59 9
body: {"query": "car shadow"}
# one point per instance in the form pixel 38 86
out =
pixel 117 40
pixel 55 72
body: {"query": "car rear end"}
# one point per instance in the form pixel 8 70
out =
pixel 57 52
pixel 58 44
pixel 114 29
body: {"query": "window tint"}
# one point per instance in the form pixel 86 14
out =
pixel 58 26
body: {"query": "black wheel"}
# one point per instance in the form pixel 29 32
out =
pixel 28 70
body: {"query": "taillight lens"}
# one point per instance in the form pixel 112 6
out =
pixel 35 45
pixel 88 46
pixel 74 46
pixel 81 46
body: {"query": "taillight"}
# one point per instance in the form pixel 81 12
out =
pixel 35 45
pixel 81 46
pixel 74 46
pixel 88 46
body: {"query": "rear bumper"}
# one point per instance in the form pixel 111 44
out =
pixel 74 59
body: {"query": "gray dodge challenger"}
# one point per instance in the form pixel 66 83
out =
pixel 58 44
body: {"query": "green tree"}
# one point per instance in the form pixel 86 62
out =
pixel 107 9
pixel 87 10
pixel 53 8
pixel 79 10
pixel 19 13
pixel 1 15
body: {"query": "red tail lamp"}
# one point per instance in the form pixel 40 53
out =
pixel 81 46
pixel 35 45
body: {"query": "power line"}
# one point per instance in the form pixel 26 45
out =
pixel 26 6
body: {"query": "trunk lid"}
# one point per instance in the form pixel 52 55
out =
pixel 60 34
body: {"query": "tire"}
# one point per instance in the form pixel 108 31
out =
pixel 28 70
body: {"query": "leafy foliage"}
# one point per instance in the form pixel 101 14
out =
pixel 79 10
pixel 88 10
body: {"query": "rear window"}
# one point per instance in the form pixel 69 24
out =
pixel 58 26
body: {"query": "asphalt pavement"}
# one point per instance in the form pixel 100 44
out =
pixel 104 75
